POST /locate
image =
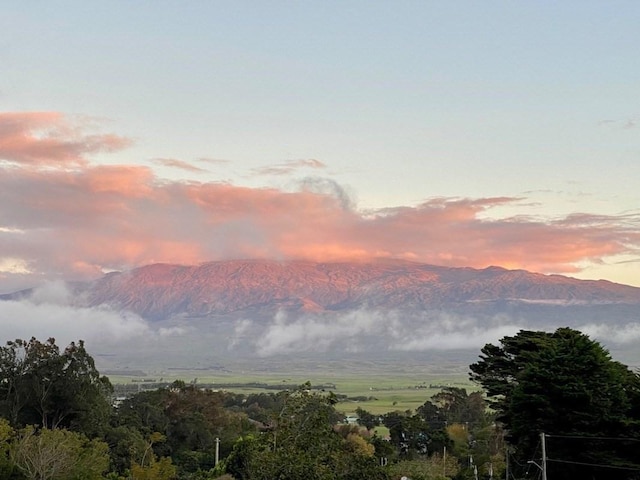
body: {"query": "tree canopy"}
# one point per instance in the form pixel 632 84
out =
pixel 190 420
pixel 41 385
pixel 54 405
pixel 567 386
pixel 59 455
pixel 302 443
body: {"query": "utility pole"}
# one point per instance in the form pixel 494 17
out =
pixel 217 451
pixel 543 467
pixel 506 462
pixel 544 456
pixel 444 461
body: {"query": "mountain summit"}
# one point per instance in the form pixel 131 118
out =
pixel 389 312
pixel 162 291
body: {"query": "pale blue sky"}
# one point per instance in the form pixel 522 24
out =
pixel 402 101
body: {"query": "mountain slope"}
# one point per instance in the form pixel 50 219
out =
pixel 394 314
pixel 161 291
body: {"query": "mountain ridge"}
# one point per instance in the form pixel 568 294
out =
pixel 389 312
pixel 162 290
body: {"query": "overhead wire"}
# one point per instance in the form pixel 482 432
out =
pixel 599 438
pixel 636 469
pixel 587 437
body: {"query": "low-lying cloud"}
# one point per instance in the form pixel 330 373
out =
pixel 618 335
pixel 366 330
pixel 53 311
pixel 370 331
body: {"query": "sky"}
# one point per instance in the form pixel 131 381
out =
pixel 455 133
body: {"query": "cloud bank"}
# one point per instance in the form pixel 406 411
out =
pixel 52 311
pixel 64 217
pixel 374 331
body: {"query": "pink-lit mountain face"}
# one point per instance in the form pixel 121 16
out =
pixel 390 313
pixel 163 291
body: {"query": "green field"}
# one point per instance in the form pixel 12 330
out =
pixel 377 393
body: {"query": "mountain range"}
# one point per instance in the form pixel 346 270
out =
pixel 267 308
pixel 162 291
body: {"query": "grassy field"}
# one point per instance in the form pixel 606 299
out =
pixel 377 393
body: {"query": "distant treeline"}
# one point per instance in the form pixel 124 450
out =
pixel 137 385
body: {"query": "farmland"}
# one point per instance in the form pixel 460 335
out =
pixel 377 393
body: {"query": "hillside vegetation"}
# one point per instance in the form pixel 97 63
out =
pixel 60 420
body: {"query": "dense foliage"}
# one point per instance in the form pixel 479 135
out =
pixel 302 443
pixel 567 386
pixel 40 385
pixel 58 422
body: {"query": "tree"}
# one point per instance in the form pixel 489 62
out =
pixel 456 406
pixel 40 385
pixel 126 444
pixel 161 469
pixel 303 444
pixel 567 386
pixel 435 467
pixel 413 436
pixel 476 442
pixel 367 419
pixel 191 419
pixel 151 468
pixel 6 434
pixel 59 455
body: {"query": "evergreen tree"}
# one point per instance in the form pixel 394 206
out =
pixel 565 385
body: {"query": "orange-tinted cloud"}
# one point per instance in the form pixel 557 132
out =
pixel 50 139
pixel 82 222
pixel 79 222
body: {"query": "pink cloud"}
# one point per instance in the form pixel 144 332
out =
pixel 50 139
pixel 77 223
pixel 113 217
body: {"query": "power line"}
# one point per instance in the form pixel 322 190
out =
pixel 587 437
pixel 636 469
